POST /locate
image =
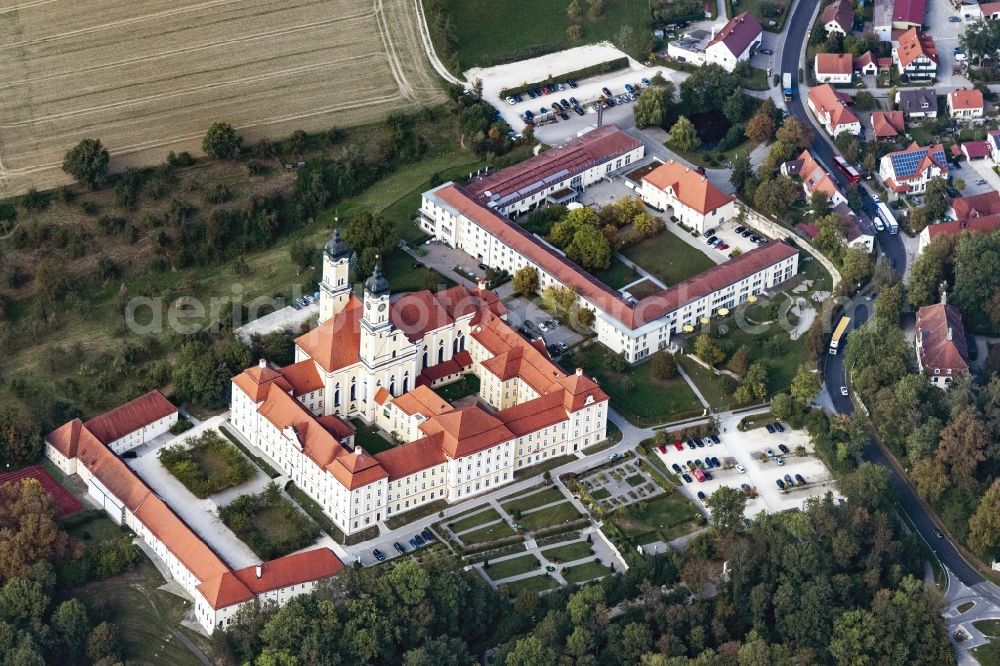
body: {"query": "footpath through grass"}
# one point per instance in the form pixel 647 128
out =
pixel 668 257
pixel 635 393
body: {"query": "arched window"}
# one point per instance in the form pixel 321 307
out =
pixel 406 382
pixel 354 390
pixel 392 386
pixel 441 352
pixel 454 347
pixel 336 395
pixel 424 365
pixel 461 341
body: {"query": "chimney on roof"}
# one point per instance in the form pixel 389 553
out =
pixel 579 372
pixel 358 451
pixel 481 284
pixel 262 363
pixel 260 569
pixel 949 332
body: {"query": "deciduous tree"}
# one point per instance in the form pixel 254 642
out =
pixel 87 162
pixel 683 135
pixel 221 142
pixel 525 280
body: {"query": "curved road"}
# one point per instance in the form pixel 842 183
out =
pixel 860 310
pixel 792 50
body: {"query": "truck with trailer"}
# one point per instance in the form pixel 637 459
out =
pixel 885 214
pixel 839 333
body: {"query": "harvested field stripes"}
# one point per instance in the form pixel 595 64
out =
pixel 150 77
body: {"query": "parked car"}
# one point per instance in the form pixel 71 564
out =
pixel 712 240
pixel 779 427
pixel 399 547
pixel 741 469
pixel 560 86
pixel 379 555
pixel 783 448
pixel 788 480
pixel 579 111
pixel 510 100
pixel 780 461
pixel 781 484
pixel 700 444
pixel 708 233
pixel 646 82
pixel 679 445
pixel 715 462
pixel 545 90
pixel 543 110
pixel 662 448
pixel 563 347
pixel 630 88
pixel 745 487
pixel 427 534
pixel 691 444
pixel 529 114
pixel 701 496
pixel 564 115
pixel 607 93
pixel 676 468
pixel 722 246
pixel 770 428
pixel 556 107
pixel 572 83
pixel 698 463
pixel 740 229
pixel 981 181
pixel 715 439
pixel 769 451
pixel 531 94
pixel 765 51
pixel 130 454
pixel 419 539
pixel 954 19
pixel 708 476
pixel 413 544
pixel 687 478
pixel 800 479
pixel 843 390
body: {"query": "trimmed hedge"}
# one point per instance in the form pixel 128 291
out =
pixel 182 461
pixel 600 68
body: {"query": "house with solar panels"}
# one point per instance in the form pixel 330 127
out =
pixel 993 145
pixel 557 176
pixel 908 171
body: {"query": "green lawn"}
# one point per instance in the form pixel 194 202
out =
pixel 488 33
pixel 534 500
pixel 148 618
pixel 586 571
pixel 553 515
pixel 663 518
pixel 497 531
pixel 569 552
pixel 709 383
pixel 618 275
pixel 635 480
pixel 734 7
pixel 533 584
pixel 512 567
pixel 466 386
pixel 635 393
pixel 668 257
pixel 989 654
pixel 369 438
pixel 475 520
pixel 989 627
pixel 600 493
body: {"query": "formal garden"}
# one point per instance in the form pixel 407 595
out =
pixel 269 523
pixel 206 464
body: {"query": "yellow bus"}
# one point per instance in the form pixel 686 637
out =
pixel 838 334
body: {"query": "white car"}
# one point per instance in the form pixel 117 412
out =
pixel 779 460
pixel 511 100
pixel 741 469
pixel 876 198
pixel 843 390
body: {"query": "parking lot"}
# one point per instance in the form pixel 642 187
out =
pixel 946 34
pixel 727 232
pixel 975 171
pixel 523 312
pixel 761 471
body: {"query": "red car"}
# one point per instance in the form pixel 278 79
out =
pixel 722 246
pixel 679 445
pixel 662 448
pixel 545 90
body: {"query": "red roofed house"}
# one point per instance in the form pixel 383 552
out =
pixel 866 64
pixel 887 124
pixel 908 171
pixel 975 214
pixel 942 353
pixel 735 42
pixel 687 195
pixel 990 10
pixel 976 150
pixel 838 17
pixel 832 110
pixel 915 55
pixel 84 449
pixel 965 104
pixel 834 67
pixel 815 178
pixel 979 205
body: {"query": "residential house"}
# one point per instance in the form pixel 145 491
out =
pixel 990 10
pixel 687 195
pixel 735 42
pixel 974 207
pixel 816 179
pixel 942 353
pixel 965 104
pixel 866 64
pixel 915 56
pixel 838 17
pixel 855 235
pixel 917 102
pixel 832 110
pixel 908 171
pixel 834 67
pixel 975 150
pixel 887 124
pixel 891 16
pixel 985 224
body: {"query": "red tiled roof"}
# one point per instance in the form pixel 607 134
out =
pixel 909 11
pixel 738 33
pixel 468 430
pixel 990 8
pixel 865 59
pixel 65 438
pixel 256 381
pixel 984 225
pixel 357 469
pixel 834 63
pixel 941 339
pixel 887 123
pixel 532 415
pixel 827 100
pixel 914 44
pixel 841 12
pixel 808 229
pixel 336 343
pixel 690 187
pixel 133 415
pixel 976 149
pixel 456 364
pixel 575 156
pixel 303 377
pixel 381 395
pixel 422 400
pixel 979 205
pixel 578 389
pixel 965 98
pixel 290 570
pixel 336 426
pixel 815 178
pixel 412 457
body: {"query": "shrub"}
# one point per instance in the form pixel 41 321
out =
pixel 281 529
pixel 230 469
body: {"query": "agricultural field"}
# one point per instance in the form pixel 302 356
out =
pixel 150 77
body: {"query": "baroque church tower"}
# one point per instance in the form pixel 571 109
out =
pixel 335 289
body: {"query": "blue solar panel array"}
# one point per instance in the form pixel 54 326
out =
pixel 905 164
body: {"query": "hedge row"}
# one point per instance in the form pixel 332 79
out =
pixel 593 70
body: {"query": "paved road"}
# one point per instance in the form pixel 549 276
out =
pixel 792 54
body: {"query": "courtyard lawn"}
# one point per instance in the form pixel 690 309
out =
pixel 641 290
pixel 617 275
pixel 206 464
pixel 369 438
pixel 710 384
pixel 668 257
pixel 553 515
pixel 532 584
pixel 489 533
pixel 149 618
pixel 635 393
pixel 475 520
pixel 534 500
pixel 488 33
pixel 512 567
pixel 466 386
pixel 269 523
pixel 663 518
pixel 585 572
pixel 569 552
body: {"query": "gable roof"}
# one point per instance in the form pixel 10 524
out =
pixel 887 124
pixel 133 415
pixel 403 460
pixel 915 160
pixel 983 225
pixel 965 98
pixel 979 205
pixel 941 338
pixel 826 100
pixel 468 430
pixel 815 178
pixel 834 63
pixel 302 377
pixel 909 11
pixel 865 59
pixel 738 33
pixel 689 187
pixel 976 149
pixel 840 12
pixel 912 100
pixel 913 44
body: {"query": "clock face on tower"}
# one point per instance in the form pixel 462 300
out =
pixel 381 307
